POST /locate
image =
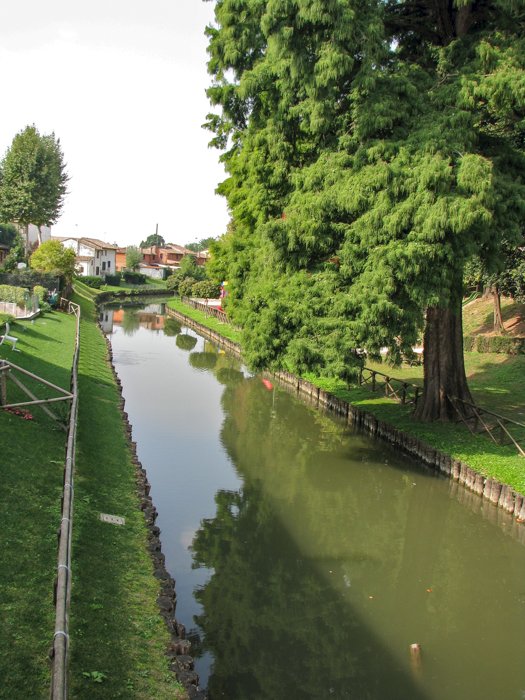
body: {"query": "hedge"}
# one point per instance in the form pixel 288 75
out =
pixel 113 280
pixel 494 343
pixel 91 281
pixel 134 278
pixel 14 295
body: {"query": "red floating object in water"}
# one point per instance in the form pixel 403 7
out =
pixel 267 384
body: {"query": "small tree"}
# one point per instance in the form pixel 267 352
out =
pixel 133 257
pixel 33 180
pixel 189 268
pixel 52 255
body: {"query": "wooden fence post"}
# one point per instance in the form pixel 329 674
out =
pixel 3 387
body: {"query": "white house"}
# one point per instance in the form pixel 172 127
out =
pixel 93 257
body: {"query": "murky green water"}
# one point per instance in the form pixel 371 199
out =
pixel 308 557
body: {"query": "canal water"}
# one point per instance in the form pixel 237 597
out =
pixel 308 556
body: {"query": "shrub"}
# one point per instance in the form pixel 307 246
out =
pixel 15 295
pixel 134 277
pixel 172 283
pixel 113 280
pixel 494 343
pixel 41 291
pixel 6 318
pixel 206 289
pixel 92 281
pixel 186 286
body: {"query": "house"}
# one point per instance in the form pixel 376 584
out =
pixel 120 259
pixel 93 256
pixel 170 255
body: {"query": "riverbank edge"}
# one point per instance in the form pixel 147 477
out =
pixel 490 490
pixel 179 661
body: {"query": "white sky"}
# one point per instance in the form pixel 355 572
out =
pixel 122 84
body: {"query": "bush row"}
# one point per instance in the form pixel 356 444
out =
pixel 494 343
pixel 14 295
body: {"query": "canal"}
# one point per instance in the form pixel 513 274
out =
pixel 308 556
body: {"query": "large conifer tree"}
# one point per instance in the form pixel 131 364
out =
pixel 372 149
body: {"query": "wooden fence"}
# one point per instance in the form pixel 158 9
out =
pixel 60 661
pixel 208 311
pixel 393 388
pixel 479 420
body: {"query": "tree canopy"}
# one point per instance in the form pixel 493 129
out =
pixel 201 245
pixel 153 239
pixel 52 255
pixel 33 181
pixel 372 149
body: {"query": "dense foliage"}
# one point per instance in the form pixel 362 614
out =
pixel 372 149
pixel 203 244
pixel 8 234
pixel 33 179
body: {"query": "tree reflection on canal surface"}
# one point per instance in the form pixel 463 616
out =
pixel 320 555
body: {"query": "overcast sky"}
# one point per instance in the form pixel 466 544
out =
pixel 122 84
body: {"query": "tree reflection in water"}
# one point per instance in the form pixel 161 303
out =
pixel 274 622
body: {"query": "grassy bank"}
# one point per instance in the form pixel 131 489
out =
pixel 211 322
pixel 91 294
pixel 32 454
pixel 497 382
pixel 115 629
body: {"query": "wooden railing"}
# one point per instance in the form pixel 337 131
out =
pixel 392 387
pixel 208 310
pixel 491 423
pixel 478 420
pixel 59 674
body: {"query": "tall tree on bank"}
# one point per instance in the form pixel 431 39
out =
pixel 33 180
pixel 372 149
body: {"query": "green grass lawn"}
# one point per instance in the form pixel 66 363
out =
pixel 32 454
pixel 114 628
pixel 211 322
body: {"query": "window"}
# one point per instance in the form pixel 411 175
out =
pixel 98 253
pixel 103 266
pixel 97 271
pixel 109 264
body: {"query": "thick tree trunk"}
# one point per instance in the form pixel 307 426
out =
pixel 498 321
pixel 444 367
